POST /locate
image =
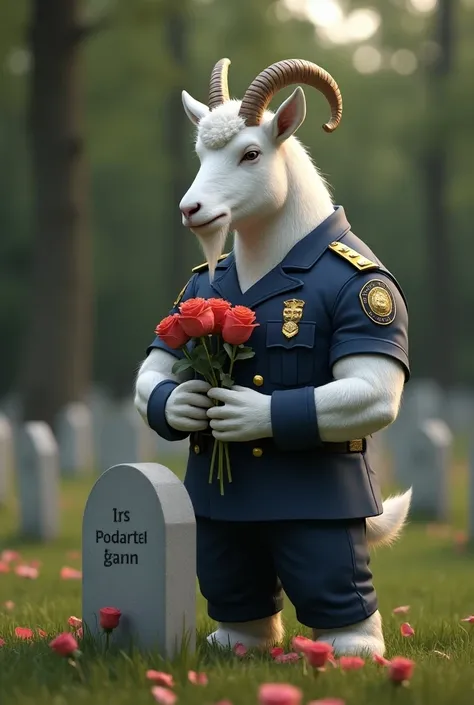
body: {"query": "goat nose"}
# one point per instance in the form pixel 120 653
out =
pixel 188 211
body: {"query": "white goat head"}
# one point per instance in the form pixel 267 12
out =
pixel 244 149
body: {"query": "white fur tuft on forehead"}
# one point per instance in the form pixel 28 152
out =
pixel 218 127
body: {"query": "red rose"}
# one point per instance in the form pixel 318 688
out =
pixel 171 333
pixel 219 309
pixel 238 325
pixel 64 644
pixel 400 669
pixel 196 318
pixel 109 617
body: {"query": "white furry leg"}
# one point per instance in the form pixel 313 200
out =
pixel 362 639
pixel 263 633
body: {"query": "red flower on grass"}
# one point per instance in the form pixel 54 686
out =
pixel 161 678
pixel 469 620
pixel 24 633
pixel 64 644
pixel 290 657
pixel 400 669
pixel 4 567
pixel 74 622
pixel 380 660
pixel 42 634
pixel 109 618
pixel 9 556
pixel 240 650
pixel 279 694
pixel 239 324
pixel 68 573
pixel 197 678
pixel 2 642
pixel 299 643
pixel 318 653
pixel 171 332
pixel 351 663
pixel 196 317
pixel 406 629
pixel 163 695
pixel 27 571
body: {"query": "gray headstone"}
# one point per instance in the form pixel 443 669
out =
pixel 139 555
pixel 126 438
pixel 429 458
pixel 6 457
pixel 76 440
pixel 38 481
pixel 460 410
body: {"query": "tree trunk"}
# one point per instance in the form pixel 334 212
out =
pixel 442 284
pixel 177 149
pixel 58 345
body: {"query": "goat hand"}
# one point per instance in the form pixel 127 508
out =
pixel 186 406
pixel 244 416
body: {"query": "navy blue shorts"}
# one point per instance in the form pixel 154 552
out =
pixel 323 567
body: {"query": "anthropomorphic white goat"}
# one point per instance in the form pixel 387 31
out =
pixel 304 505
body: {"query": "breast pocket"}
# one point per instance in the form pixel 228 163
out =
pixel 290 361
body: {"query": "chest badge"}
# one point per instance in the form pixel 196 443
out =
pixel 292 314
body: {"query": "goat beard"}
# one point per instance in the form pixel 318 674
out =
pixel 212 246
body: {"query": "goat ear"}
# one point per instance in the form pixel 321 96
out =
pixel 289 116
pixel 193 108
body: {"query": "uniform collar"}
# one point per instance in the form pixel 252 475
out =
pixel 301 257
pixel 307 251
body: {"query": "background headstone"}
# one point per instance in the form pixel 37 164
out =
pixel 75 437
pixel 6 458
pixel 38 481
pixel 126 438
pixel 429 459
pixel 139 555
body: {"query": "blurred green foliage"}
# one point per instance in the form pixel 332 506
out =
pixel 372 161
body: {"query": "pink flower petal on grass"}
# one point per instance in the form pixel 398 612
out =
pixel 276 651
pixel 160 678
pixel 351 663
pixel 27 571
pixel 24 632
pixel 68 573
pixel 403 609
pixel 4 567
pixel 279 694
pixel 406 629
pixel 380 660
pixel 74 622
pixel 2 642
pixel 197 678
pixel 469 620
pixel 10 556
pixel 239 649
pixel 42 634
pixel 290 657
pixel 300 643
pixel 163 695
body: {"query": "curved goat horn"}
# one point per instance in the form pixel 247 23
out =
pixel 285 73
pixel 218 87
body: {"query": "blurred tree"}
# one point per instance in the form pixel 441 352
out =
pixel 57 351
pixel 442 282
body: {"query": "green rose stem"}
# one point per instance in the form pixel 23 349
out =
pixel 213 378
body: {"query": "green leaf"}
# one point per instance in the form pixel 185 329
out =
pixel 245 355
pixel 217 365
pixel 244 348
pixel 221 357
pixel 229 350
pixel 180 366
pixel 199 353
pixel 202 366
pixel 226 380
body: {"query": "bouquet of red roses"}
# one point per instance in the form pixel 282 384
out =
pixel 218 332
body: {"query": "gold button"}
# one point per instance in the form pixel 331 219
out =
pixel 257 452
pixel 258 380
pixel 197 449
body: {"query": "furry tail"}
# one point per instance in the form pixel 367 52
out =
pixel 386 528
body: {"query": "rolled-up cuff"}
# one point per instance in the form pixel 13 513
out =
pixel 156 412
pixel 294 419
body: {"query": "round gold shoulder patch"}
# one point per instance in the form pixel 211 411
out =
pixel 378 302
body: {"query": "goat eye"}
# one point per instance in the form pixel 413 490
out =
pixel 251 155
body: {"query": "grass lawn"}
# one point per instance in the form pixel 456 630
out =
pixel 424 570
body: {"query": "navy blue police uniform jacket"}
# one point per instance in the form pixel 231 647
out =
pixel 343 302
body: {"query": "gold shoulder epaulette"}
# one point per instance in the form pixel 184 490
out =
pixel 202 267
pixel 357 260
